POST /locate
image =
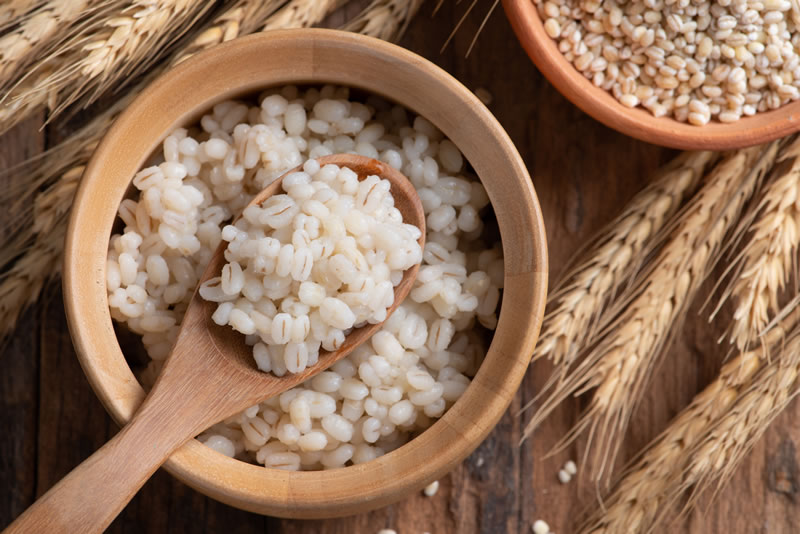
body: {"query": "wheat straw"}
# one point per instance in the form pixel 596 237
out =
pixel 385 19
pixel 769 257
pixel 578 302
pixel 128 41
pixel 639 499
pixel 620 365
pixel 22 260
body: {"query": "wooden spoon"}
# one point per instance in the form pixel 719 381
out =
pixel 209 376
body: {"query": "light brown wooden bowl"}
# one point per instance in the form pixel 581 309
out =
pixel 277 58
pixel 638 122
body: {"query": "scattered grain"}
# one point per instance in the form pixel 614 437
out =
pixel 431 489
pixel 540 527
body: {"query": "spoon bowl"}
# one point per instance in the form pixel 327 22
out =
pixel 209 375
pixel 231 344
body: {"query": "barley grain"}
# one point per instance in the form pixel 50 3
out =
pixel 668 43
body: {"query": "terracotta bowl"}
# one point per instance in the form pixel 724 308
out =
pixel 638 122
pixel 246 66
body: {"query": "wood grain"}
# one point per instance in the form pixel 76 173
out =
pixel 583 173
pixel 19 380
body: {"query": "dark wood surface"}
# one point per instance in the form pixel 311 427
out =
pixel 50 419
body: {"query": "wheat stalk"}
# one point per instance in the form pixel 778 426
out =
pixel 385 19
pixel 127 41
pixel 768 258
pixel 640 497
pixel 578 302
pixel 21 284
pixel 621 363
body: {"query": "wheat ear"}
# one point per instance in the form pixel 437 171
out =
pixel 621 363
pixel 73 154
pixel 127 41
pixel 13 11
pixel 582 296
pixel 641 496
pixel 34 33
pixel 20 284
pixel 385 19
pixel 769 257
pixel 714 459
pixel 301 13
pixel 244 17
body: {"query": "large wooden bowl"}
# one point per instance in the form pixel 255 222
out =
pixel 638 122
pixel 246 66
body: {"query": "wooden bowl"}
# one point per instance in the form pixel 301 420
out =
pixel 638 122
pixel 277 58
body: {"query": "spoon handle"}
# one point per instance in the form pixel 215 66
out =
pixel 193 391
pixel 91 495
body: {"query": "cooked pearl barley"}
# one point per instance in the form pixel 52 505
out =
pixel 255 242
pixel 431 489
pixel 360 406
pixel 221 444
pixel 663 56
pixel 571 468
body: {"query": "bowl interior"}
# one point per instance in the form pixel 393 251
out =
pixel 313 56
pixel 638 122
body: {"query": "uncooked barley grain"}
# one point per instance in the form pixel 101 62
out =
pixel 692 61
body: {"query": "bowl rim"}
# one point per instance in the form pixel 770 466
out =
pixel 637 122
pixel 304 56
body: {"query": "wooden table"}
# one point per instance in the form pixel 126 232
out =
pixel 584 173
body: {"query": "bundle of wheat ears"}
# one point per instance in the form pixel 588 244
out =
pixel 609 319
